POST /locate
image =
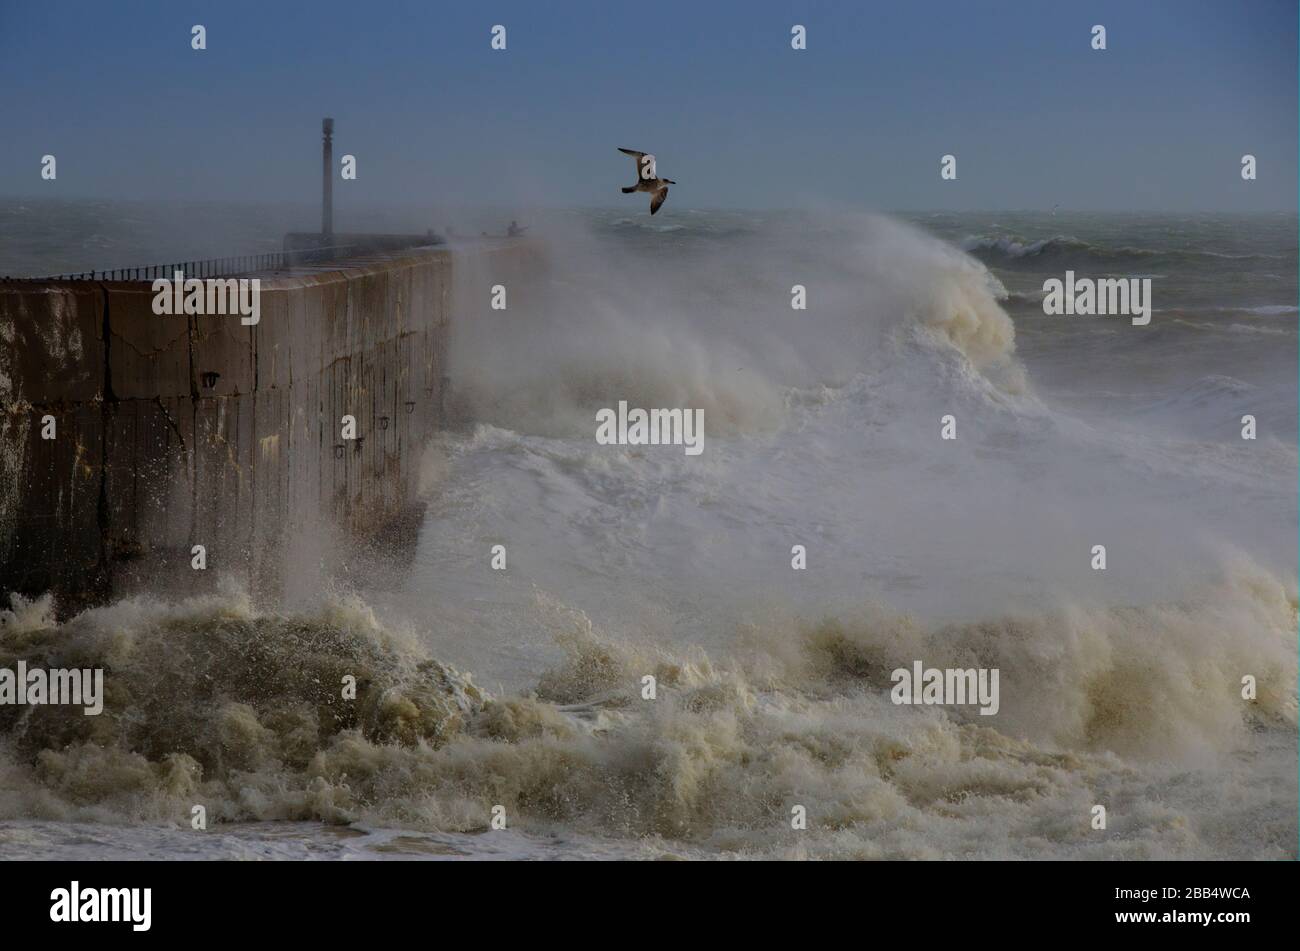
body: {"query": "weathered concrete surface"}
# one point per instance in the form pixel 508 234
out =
pixel 148 461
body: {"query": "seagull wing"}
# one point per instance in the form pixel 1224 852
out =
pixel 645 163
pixel 658 199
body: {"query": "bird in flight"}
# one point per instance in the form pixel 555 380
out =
pixel 647 180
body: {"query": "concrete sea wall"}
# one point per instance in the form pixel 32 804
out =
pixel 176 431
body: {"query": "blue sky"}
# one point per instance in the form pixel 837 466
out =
pixel 860 119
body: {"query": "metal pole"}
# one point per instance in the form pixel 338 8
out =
pixel 327 179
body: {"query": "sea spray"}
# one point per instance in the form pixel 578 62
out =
pixel 721 337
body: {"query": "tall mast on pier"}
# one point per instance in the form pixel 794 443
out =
pixel 327 179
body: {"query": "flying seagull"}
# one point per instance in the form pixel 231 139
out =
pixel 647 180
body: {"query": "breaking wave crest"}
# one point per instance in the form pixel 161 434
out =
pixel 1064 251
pixel 713 325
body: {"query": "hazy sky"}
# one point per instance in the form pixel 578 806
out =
pixel 1036 118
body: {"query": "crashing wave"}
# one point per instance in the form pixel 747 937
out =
pixel 212 702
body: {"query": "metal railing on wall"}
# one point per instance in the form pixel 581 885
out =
pixel 211 267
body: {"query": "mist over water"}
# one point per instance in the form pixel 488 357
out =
pixel 822 429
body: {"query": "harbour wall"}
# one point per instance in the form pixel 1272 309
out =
pixel 128 438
